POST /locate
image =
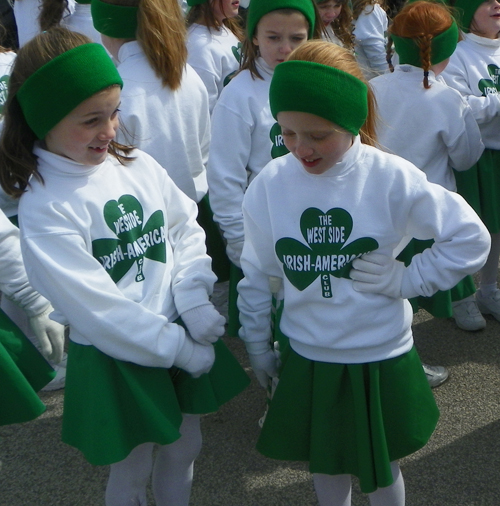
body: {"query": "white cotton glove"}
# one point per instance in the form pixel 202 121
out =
pixel 50 335
pixel 264 366
pixel 377 273
pixel 195 358
pixel 233 250
pixel 204 323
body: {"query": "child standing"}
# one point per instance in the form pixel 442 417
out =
pixel 474 71
pixel 425 36
pixel 116 247
pixel 352 396
pixel 274 29
pixel 337 20
pixel 370 27
pixel 214 43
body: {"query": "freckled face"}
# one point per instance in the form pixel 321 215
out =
pixel 85 133
pixel 316 142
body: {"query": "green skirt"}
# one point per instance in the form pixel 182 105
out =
pixel 233 324
pixel 111 406
pixel 480 187
pixel 216 247
pixel 438 305
pixel 350 419
pixel 23 372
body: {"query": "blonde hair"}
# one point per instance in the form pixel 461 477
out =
pixel 338 57
pixel 161 32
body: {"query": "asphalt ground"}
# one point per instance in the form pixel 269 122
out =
pixel 460 466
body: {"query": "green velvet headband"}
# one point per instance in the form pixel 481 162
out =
pixel 442 47
pixel 55 89
pixel 325 91
pixel 259 8
pixel 466 10
pixel 116 21
pixel 192 3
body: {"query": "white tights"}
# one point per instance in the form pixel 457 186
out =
pixel 172 471
pixel 336 490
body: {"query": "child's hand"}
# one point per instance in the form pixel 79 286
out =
pixel 264 366
pixel 204 323
pixel 194 358
pixel 50 335
pixel 377 273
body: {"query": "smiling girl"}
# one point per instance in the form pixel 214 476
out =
pixel 474 71
pixel 116 246
pixel 242 114
pixel 352 397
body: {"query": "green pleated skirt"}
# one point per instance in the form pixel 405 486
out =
pixel 480 187
pixel 111 406
pixel 23 372
pixel 216 248
pixel 440 304
pixel 349 419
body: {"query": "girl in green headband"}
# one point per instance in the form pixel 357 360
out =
pixel 474 70
pixel 114 244
pixel 425 122
pixel 321 227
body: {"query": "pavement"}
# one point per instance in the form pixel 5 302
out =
pixel 460 466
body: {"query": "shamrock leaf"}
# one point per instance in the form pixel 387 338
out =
pixel 490 86
pixel 326 252
pixel 134 242
pixel 237 51
pixel 279 148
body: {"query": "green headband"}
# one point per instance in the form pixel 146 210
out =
pixel 321 90
pixel 55 89
pixel 466 10
pixel 83 1
pixel 192 3
pixel 116 21
pixel 259 8
pixel 442 47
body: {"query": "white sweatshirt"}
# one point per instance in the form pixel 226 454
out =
pixel 241 146
pixel 370 40
pixel 317 224
pixel 214 54
pixel 81 21
pixel 330 36
pixel 117 251
pixel 172 126
pixel 432 128
pixel 474 71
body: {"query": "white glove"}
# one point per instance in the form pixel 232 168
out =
pixel 264 366
pixel 50 335
pixel 377 273
pixel 233 250
pixel 194 358
pixel 204 323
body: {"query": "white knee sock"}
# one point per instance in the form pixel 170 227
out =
pixel 393 495
pixel 333 490
pixel 173 467
pixel 129 477
pixel 490 270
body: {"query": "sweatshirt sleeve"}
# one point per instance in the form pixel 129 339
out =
pixel 461 241
pixel 227 168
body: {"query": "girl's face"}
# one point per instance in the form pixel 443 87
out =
pixel 278 34
pixel 225 9
pixel 486 20
pixel 317 143
pixel 329 11
pixel 85 133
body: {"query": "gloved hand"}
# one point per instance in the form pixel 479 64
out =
pixel 194 358
pixel 50 335
pixel 233 250
pixel 264 366
pixel 377 273
pixel 204 323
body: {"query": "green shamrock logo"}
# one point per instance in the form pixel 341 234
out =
pixel 279 148
pixel 135 240
pixel 237 51
pixel 490 86
pixel 4 84
pixel 326 253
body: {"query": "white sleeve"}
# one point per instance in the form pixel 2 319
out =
pixel 461 241
pixel 227 169
pixel 14 282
